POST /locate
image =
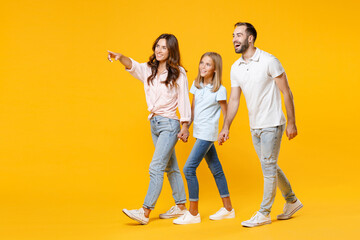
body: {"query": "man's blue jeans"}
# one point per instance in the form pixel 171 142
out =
pixel 164 134
pixel 200 150
pixel 267 145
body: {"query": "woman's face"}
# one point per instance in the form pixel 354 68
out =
pixel 161 50
pixel 207 67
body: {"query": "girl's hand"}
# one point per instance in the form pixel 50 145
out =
pixel 184 133
pixel 114 55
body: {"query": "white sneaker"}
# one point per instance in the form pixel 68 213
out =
pixel 290 209
pixel 174 211
pixel 187 218
pixel 137 215
pixel 223 214
pixel 257 219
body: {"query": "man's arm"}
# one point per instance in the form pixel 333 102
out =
pixel 283 84
pixel 230 115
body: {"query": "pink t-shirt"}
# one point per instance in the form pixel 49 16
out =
pixel 162 100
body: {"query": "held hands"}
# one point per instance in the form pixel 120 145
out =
pixel 114 55
pixel 184 133
pixel 223 136
pixel 291 130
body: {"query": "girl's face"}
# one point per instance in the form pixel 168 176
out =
pixel 161 50
pixel 207 67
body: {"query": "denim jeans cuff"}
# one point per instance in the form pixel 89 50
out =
pixel 180 202
pixel 264 212
pixel 151 208
pixel 291 200
pixel 225 195
pixel 193 199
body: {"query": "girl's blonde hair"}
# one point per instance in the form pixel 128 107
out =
pixel 216 81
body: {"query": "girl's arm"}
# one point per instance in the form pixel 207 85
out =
pixel 192 110
pixel 223 106
pixel 123 59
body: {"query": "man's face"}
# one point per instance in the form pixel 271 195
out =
pixel 240 39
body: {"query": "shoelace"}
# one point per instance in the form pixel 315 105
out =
pixel 140 211
pixel 172 209
pixel 220 210
pixel 185 214
pixel 285 208
pixel 287 205
pixel 254 216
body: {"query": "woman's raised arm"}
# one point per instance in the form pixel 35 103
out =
pixel 123 59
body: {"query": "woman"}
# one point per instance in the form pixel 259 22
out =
pixel 166 89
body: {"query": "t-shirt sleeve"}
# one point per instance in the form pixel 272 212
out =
pixel 193 88
pixel 234 81
pixel 221 94
pixel 275 68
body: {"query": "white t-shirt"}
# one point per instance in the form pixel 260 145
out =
pixel 256 80
pixel 207 111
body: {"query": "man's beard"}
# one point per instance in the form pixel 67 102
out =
pixel 244 47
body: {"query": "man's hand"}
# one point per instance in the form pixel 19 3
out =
pixel 223 136
pixel 231 111
pixel 291 130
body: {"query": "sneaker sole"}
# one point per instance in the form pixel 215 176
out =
pixel 286 217
pixel 169 216
pixel 127 213
pixel 177 223
pixel 255 225
pixel 227 217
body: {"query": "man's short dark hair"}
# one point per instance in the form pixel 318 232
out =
pixel 250 30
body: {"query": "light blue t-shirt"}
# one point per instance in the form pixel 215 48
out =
pixel 207 111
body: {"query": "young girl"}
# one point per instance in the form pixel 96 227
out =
pixel 166 88
pixel 209 96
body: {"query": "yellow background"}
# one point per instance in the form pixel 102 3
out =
pixel 75 142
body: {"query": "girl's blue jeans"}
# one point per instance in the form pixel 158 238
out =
pixel 204 149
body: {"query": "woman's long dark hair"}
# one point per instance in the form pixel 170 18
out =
pixel 172 63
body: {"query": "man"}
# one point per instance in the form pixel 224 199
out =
pixel 261 77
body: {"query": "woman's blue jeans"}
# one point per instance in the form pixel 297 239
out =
pixel 200 150
pixel 164 135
